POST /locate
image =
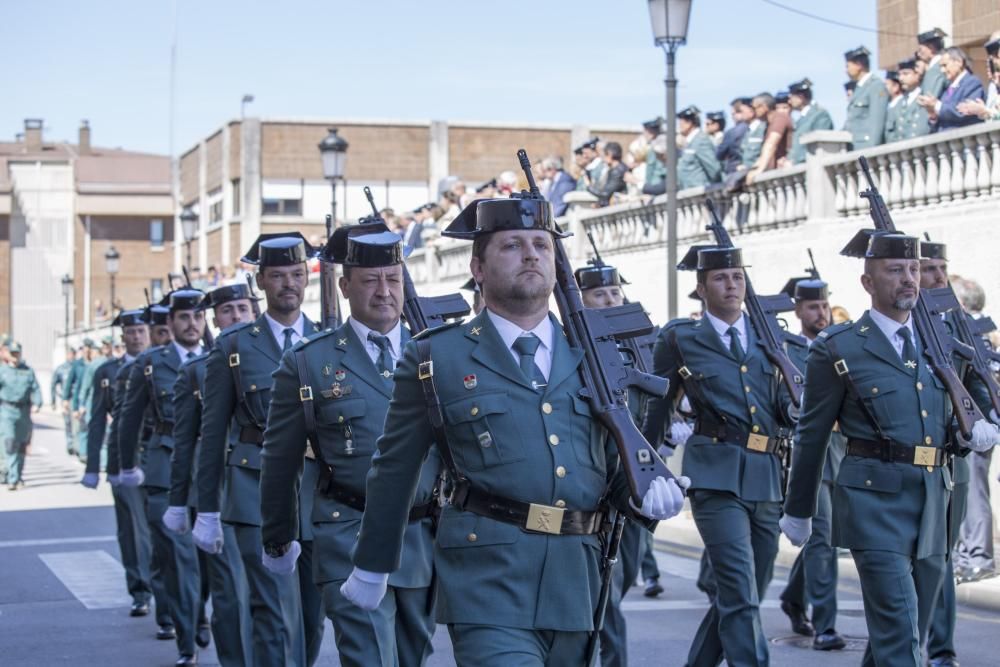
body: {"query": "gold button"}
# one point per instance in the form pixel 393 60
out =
pixel 560 472
pixel 755 428
pixel 474 411
pixel 746 388
pixel 874 390
pixel 253 387
pixel 336 515
pixel 920 386
pixel 931 469
pixel 547 408
pixel 243 462
pixel 743 369
pixel 553 439
pixel 560 503
pixel 928 440
pixel 923 413
pixel 868 482
pixel 753 409
pixel 472 537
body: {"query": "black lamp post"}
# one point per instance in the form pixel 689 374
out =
pixel 669 20
pixel 67 291
pixel 111 262
pixel 189 227
pixel 333 151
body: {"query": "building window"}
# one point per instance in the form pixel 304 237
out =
pixel 237 196
pixel 156 289
pixel 282 207
pixel 156 233
pixel 215 206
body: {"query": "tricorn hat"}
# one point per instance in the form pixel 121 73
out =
pixel 807 288
pixel 185 298
pixel 284 249
pixel 691 113
pixel 129 318
pixel 155 314
pixel 931 36
pixel 590 143
pixel 858 55
pixel 227 293
pixel 799 87
pixel 710 258
pixel 594 276
pixel 875 244
pixel 932 250
pixel 485 216
pixel 909 63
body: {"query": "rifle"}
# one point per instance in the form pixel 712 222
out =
pixel 330 316
pixel 422 312
pixel 938 343
pixel 762 311
pixel 254 305
pixel 608 561
pixel 811 269
pixel 207 339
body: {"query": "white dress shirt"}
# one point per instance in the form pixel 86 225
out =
pixel 278 329
pixel 510 332
pixel 890 328
pixel 395 340
pixel 722 329
pixel 183 352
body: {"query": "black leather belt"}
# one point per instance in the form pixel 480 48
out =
pixel 755 442
pixel 252 435
pixel 529 517
pixel 165 428
pixel 895 452
pixel 357 502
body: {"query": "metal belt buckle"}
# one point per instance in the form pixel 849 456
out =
pixel 545 519
pixel 305 393
pixel 234 359
pixel 425 370
pixel 924 456
pixel 757 442
pixel 684 372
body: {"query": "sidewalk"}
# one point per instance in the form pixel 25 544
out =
pixel 682 531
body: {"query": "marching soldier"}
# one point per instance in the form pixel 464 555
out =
pixel 813 579
pixel 71 393
pixel 733 458
pixel 150 389
pixel 286 609
pixel 866 108
pixel 60 376
pixel 223 574
pixel 133 531
pixel 914 120
pixel 893 489
pixel 812 117
pixel 517 549
pixel 19 393
pixel 86 396
pixel 348 373
pixel 697 165
pixel 930 44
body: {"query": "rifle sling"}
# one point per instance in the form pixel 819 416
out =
pixel 230 349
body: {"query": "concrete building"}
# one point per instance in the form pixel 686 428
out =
pixel 62 206
pixel 260 175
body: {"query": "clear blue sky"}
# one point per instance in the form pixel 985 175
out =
pixel 558 61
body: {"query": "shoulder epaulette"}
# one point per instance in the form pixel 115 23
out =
pixel 229 331
pixel 434 330
pixel 836 329
pixel 305 340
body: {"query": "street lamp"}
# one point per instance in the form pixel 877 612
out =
pixel 669 20
pixel 189 226
pixel 333 151
pixel 111 258
pixel 67 291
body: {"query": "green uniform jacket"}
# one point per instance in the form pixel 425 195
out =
pixel 348 426
pixel 87 382
pixel 934 81
pixel 747 393
pixel 697 165
pixel 838 444
pixel 894 113
pixel 101 403
pixel 19 390
pixel 71 388
pixel 815 118
pixel 150 390
pixel 866 114
pixel 222 453
pixel 914 121
pixel 898 507
pixel 122 387
pixel 59 377
pixel 188 390
pixel 753 143
pixel 508 439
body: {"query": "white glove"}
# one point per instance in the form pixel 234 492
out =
pixel 283 564
pixel 91 480
pixel 132 477
pixel 795 529
pixel 664 499
pixel 680 431
pixel 994 417
pixel 365 589
pixel 177 519
pixel 207 533
pixel 984 435
pixel 114 480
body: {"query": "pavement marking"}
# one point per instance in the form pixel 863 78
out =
pixel 93 577
pixel 677 605
pixel 55 541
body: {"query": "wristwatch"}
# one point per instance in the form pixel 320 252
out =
pixel 274 550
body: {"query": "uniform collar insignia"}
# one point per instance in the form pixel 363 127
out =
pixel 255 330
pixel 910 364
pixel 341 341
pixel 475 331
pixel 864 328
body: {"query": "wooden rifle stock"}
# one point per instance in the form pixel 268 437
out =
pixel 330 317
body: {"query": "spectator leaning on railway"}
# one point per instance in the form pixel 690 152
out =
pixel 990 109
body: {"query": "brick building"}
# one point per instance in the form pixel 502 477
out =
pixel 256 175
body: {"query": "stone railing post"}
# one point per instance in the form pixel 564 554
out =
pixel 821 192
pixel 431 262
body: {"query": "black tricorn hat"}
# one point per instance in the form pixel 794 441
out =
pixel 803 86
pixel 781 96
pixel 717 117
pixel 909 63
pixel 155 314
pixel 374 250
pixel 654 124
pixel 284 249
pixel 471 285
pixel 129 318
pixel 589 143
pixel 592 277
pixel 931 35
pixel 336 249
pixel 992 47
pixel 859 55
pixel 227 293
pixel 710 258
pixel 874 244
pixel 932 250
pixel 691 112
pixel 186 298
pixel 807 288
pixel 485 216
pixel 892 75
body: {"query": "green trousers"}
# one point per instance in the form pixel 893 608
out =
pixel 813 578
pixel 494 646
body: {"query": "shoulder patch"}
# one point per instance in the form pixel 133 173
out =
pixel 434 330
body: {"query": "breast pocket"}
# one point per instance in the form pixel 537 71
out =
pixel 860 108
pixel 882 398
pixel 483 422
pixel 588 437
pixel 336 422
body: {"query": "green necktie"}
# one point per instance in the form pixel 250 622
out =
pixel 384 363
pixel 288 339
pixel 525 346
pixel 735 348
pixel 909 352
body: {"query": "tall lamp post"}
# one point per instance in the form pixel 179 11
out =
pixel 111 260
pixel 189 226
pixel 333 151
pixel 67 290
pixel 669 20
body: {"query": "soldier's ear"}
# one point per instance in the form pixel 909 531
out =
pixel 342 283
pixel 258 280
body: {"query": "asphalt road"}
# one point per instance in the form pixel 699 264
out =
pixel 62 591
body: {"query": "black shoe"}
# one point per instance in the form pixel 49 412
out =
pixel 943 661
pixel 204 635
pixel 166 632
pixel 653 588
pixel 185 660
pixel 139 609
pixel 800 622
pixel 829 641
